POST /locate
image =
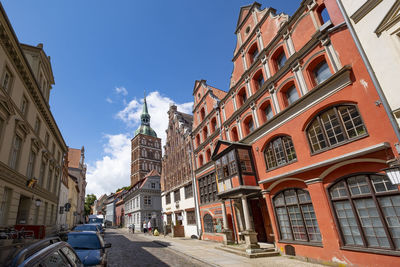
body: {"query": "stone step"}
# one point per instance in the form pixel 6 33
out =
pixel 269 252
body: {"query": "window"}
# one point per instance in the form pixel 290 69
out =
pixel 31 164
pixel 281 60
pixel 208 223
pixel 367 208
pixel 208 189
pixel 201 160
pixel 46 139
pixel 168 198
pixel 250 126
pixel 335 126
pixel 56 259
pixel 296 217
pixel 245 161
pixel 268 112
pixel 242 96
pixel 177 195
pixel 322 72
pixel 15 152
pixel 188 191
pixel 323 14
pixel 147 200
pixel 226 168
pixel 190 217
pixel 5 205
pixel 213 124
pixel 253 53
pixel 279 152
pixel 24 105
pixel 202 114
pixel 55 183
pixel 260 80
pixel 153 185
pixel 234 135
pixel 7 80
pixel 291 95
pixel 49 178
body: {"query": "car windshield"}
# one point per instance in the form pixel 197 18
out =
pixel 86 227
pixel 95 220
pixel 84 241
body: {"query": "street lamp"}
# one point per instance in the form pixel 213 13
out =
pixel 38 202
pixel 393 173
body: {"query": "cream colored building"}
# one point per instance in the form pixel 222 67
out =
pixel 31 145
pixel 377 24
pixel 73 195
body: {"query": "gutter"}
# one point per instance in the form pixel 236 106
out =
pixel 371 72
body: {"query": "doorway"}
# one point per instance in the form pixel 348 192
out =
pixel 258 220
pixel 23 210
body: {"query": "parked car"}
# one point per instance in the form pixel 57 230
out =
pixel 47 252
pixel 102 229
pixel 89 227
pixel 89 246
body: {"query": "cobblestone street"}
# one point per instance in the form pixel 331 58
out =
pixel 146 250
pixel 136 250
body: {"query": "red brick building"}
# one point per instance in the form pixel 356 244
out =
pixel 294 152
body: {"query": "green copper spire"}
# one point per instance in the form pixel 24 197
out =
pixel 144 127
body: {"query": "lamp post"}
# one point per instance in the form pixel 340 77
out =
pixel 38 202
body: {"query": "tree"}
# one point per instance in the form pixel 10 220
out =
pixel 89 200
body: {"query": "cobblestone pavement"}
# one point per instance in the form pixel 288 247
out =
pixel 135 250
pixel 145 250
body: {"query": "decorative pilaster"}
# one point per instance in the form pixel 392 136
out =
pixel 274 98
pixel 250 235
pixel 296 68
pixel 226 231
pixel 254 112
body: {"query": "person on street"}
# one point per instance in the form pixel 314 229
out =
pixel 144 227
pixel 133 228
pixel 149 226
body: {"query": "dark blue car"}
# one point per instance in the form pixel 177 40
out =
pixel 90 247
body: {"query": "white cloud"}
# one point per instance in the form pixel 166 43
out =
pixel 158 106
pixel 121 90
pixel 109 100
pixel 113 170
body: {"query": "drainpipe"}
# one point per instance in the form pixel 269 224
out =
pixel 371 73
pixel 194 186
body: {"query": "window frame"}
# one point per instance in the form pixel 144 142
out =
pixel 318 66
pixel 284 150
pixel 7 71
pixel 299 205
pixel 205 183
pixel 351 199
pixel 341 125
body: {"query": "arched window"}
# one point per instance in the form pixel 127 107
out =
pixel 198 139
pixel 291 95
pixel 323 14
pixel 208 223
pixel 253 53
pixel 321 72
pixel 213 124
pixel 242 96
pixel 295 215
pixel 249 124
pixel 335 126
pixel 205 133
pixel 201 160
pixel 367 208
pixel 258 80
pixel 279 58
pixel 208 155
pixel 280 151
pixel 202 114
pixel 234 135
pixel 266 111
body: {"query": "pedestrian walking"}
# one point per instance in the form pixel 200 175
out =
pixel 133 228
pixel 144 227
pixel 149 226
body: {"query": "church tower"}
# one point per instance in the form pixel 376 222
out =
pixel 145 149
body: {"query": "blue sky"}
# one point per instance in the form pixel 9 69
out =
pixel 104 54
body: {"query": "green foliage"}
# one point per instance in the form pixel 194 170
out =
pixel 125 187
pixel 89 200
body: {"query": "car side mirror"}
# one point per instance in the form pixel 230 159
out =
pixel 107 245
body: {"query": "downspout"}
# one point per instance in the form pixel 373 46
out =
pixel 371 73
pixel 194 185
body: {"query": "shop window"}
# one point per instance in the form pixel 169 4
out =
pixel 234 135
pixel 367 208
pixel 208 189
pixel 280 151
pixel 208 223
pixel 296 217
pixel 321 72
pixel 291 95
pixel 335 126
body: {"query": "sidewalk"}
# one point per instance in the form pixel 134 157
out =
pixel 206 252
